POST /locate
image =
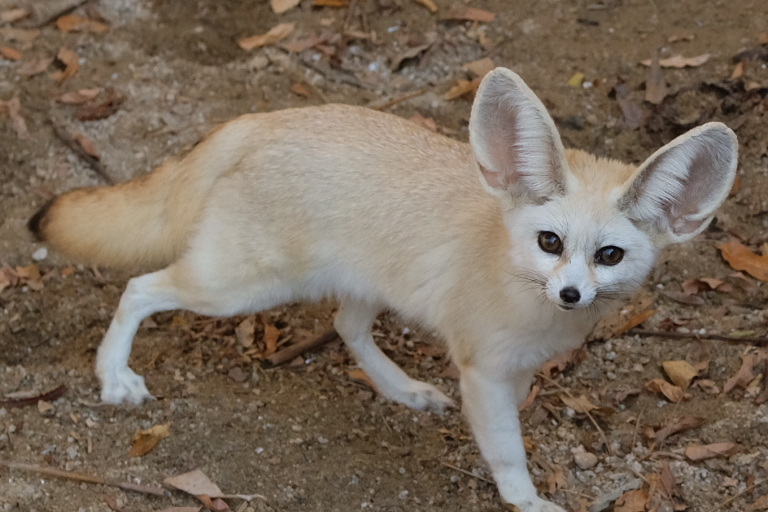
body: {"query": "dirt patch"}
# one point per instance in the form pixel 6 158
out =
pixel 308 436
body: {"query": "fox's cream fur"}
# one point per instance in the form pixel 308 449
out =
pixel 510 246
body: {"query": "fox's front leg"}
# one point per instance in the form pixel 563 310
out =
pixel 490 403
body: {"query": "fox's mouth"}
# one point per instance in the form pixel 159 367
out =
pixel 563 307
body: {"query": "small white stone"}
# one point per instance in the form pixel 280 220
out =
pixel 40 254
pixel 585 460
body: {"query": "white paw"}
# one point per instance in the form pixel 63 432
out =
pixel 538 505
pixel 124 386
pixel 425 397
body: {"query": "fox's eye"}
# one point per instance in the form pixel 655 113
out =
pixel 609 255
pixel 550 242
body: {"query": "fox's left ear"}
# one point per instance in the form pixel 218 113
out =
pixel 677 190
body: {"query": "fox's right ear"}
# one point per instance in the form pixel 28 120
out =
pixel 515 141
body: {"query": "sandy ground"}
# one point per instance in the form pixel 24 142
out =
pixel 311 435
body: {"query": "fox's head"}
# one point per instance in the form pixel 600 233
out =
pixel 586 230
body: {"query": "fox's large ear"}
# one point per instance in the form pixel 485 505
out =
pixel 515 140
pixel 677 190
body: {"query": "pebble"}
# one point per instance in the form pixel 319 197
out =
pixel 40 254
pixel 585 460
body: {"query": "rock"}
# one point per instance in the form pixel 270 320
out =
pixel 585 460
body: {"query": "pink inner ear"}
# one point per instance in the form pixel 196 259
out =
pixel 493 178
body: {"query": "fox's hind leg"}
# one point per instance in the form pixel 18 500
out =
pixel 353 323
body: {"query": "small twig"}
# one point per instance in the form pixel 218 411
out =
pixel 72 144
pixel 637 427
pixel 591 418
pixel 48 396
pixel 292 352
pixel 760 340
pixel 748 489
pixel 469 473
pixel 126 486
pixel 401 99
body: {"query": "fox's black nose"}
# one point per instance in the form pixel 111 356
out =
pixel 570 295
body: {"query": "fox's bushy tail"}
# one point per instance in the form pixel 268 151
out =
pixel 144 222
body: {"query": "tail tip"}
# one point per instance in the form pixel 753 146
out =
pixel 37 223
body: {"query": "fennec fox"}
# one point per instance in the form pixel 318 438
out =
pixel 510 246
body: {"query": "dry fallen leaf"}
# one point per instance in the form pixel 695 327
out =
pixel 576 80
pixel 655 85
pixel 181 509
pixel 79 96
pixel 13 15
pixel 738 69
pixel 675 426
pixel 300 89
pixel 556 479
pixel 480 67
pixel 271 335
pixel 697 452
pixel 678 61
pixel 360 376
pixel 745 375
pixel 633 113
pixel 275 34
pixel 34 67
pixel 330 3
pixel 144 441
pixel 70 60
pixel 195 483
pixel 13 108
pixel 462 88
pixel 469 14
pixel 20 35
pixel 681 373
pixel 635 321
pixel 87 145
pixel 704 284
pixel 580 404
pixel 281 6
pixel 244 332
pixel 300 45
pixel 93 111
pixel 75 23
pixel 760 504
pixel 429 4
pixel 741 257
pixel 9 53
pixel 632 501
pixel 672 392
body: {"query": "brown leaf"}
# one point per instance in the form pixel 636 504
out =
pixel 23 36
pixel 195 483
pixel 34 67
pixel 93 111
pixel 429 4
pixel 760 504
pixel 144 441
pixel 301 90
pixel 462 87
pixel 655 85
pixel 245 332
pixel 678 61
pixel 676 426
pixel 562 361
pixel 79 96
pixel 13 15
pixel 681 373
pixel 672 392
pixel 181 509
pixel 556 479
pixel 281 6
pixel 632 501
pixel 744 376
pixel 580 404
pixel 469 14
pixel 668 481
pixel 697 452
pixel 70 60
pixel 271 335
pixel 741 257
pixel 87 145
pixel 635 321
pixel 9 53
pixel 75 23
pixel 300 45
pixel 360 376
pixel 480 67
pixel 683 298
pixel 275 34
pixel 738 69
pixel 13 108
pixel 633 113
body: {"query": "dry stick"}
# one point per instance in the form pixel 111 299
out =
pixel 292 352
pixel 401 99
pixel 127 486
pixel 748 489
pixel 760 340
pixel 48 396
pixel 457 468
pixel 637 427
pixel 591 418
pixel 72 144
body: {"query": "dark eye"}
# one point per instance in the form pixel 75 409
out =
pixel 550 242
pixel 609 255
